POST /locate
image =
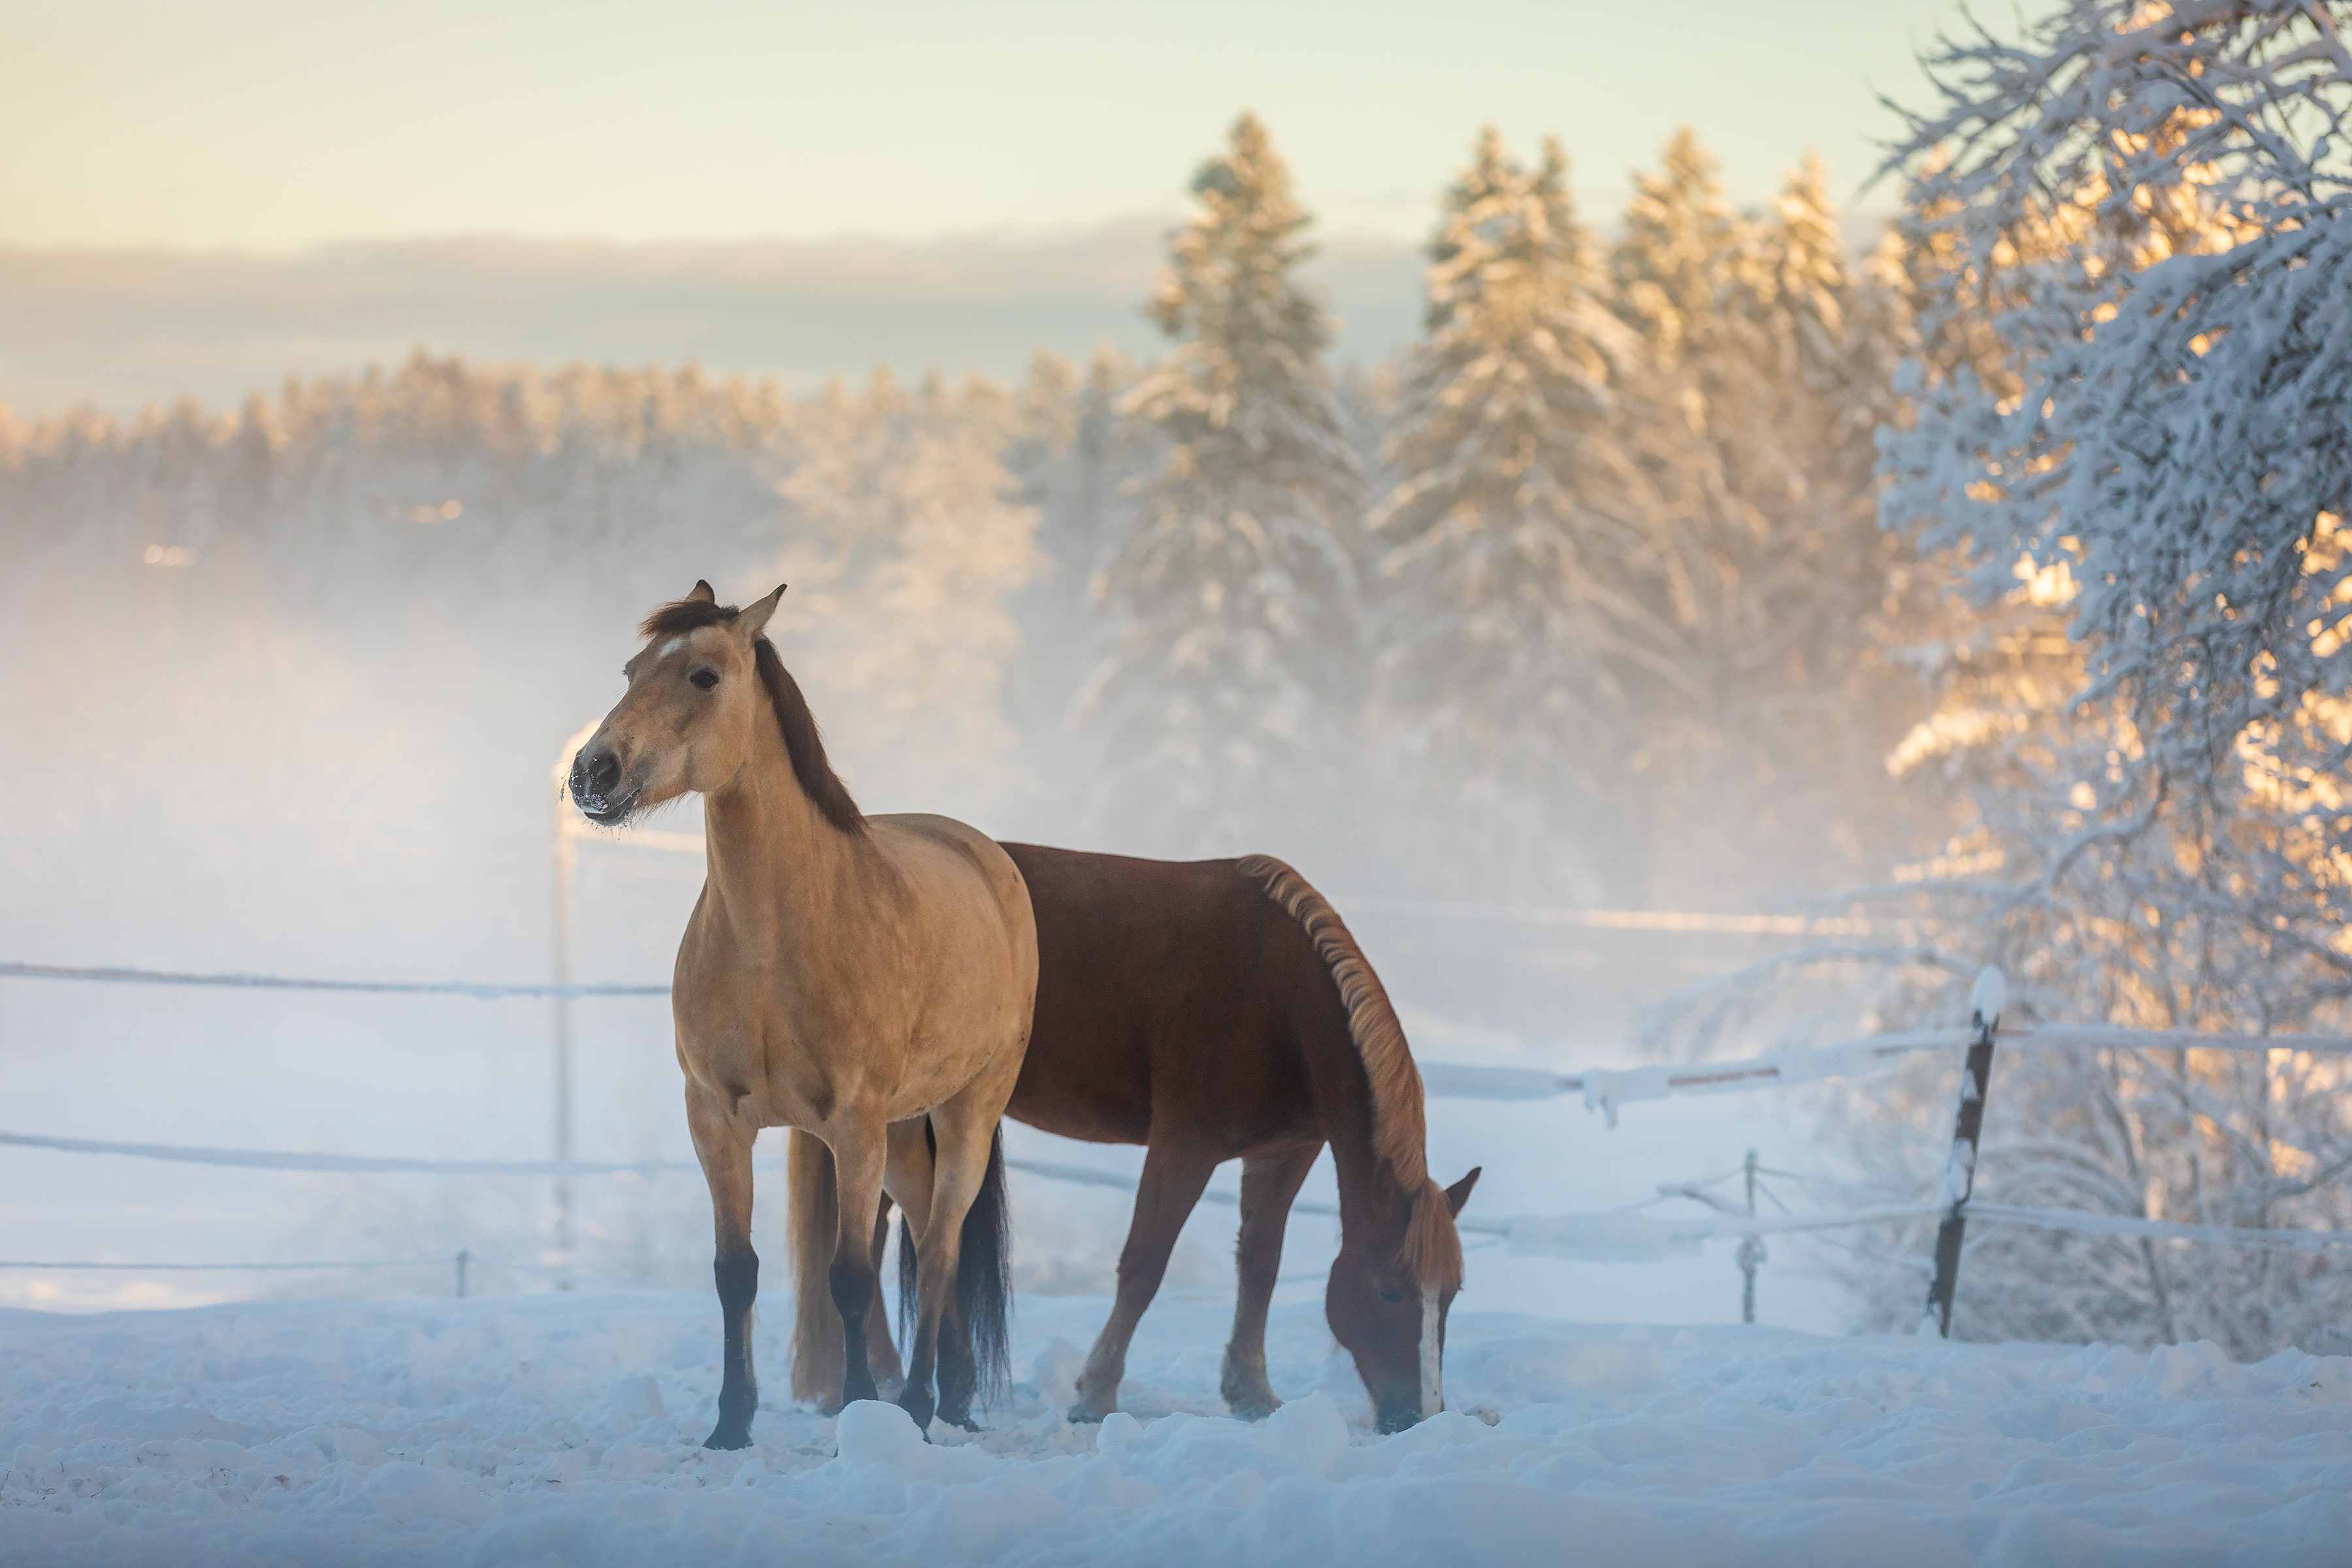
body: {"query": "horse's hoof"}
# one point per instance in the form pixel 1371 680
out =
pixel 727 1437
pixel 1251 1408
pixel 921 1408
pixel 1082 1413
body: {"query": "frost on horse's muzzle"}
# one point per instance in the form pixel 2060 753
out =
pixel 596 787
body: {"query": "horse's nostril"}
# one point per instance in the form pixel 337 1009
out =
pixel 595 774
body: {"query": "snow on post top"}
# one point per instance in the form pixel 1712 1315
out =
pixel 1992 993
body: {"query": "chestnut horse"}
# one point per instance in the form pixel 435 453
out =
pixel 1220 1010
pixel 868 982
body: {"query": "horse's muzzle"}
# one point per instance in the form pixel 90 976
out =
pixel 596 787
pixel 1398 1410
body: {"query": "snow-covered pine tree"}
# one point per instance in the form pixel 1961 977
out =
pixel 1681 271
pixel 1817 694
pixel 1748 417
pixel 1506 616
pixel 1684 250
pixel 1227 711
pixel 1678 271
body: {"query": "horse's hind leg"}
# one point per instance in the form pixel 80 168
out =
pixel 957 1375
pixel 723 1143
pixel 1270 1182
pixel 973 1342
pixel 1163 1200
pixel 959 1167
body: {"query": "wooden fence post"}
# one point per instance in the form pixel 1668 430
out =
pixel 1985 1003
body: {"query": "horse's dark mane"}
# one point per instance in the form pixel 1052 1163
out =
pixel 802 743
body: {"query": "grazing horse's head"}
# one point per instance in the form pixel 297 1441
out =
pixel 1390 1287
pixel 698 689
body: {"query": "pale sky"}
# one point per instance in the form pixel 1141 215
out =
pixel 278 125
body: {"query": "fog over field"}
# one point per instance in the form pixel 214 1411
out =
pixel 298 676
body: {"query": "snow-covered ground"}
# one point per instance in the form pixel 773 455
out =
pixel 563 1429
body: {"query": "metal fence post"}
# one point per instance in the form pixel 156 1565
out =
pixel 1751 1251
pixel 464 1257
pixel 1985 1003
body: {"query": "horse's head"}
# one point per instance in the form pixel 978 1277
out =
pixel 686 722
pixel 1390 1287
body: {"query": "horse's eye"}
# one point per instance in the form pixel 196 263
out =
pixel 1391 1294
pixel 705 678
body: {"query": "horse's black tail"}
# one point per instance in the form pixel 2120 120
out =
pixel 983 1277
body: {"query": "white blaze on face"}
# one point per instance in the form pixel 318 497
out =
pixel 670 648
pixel 1433 1395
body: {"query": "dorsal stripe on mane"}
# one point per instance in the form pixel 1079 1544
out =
pixel 1432 1247
pixel 803 743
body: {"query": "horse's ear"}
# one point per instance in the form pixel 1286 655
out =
pixel 754 617
pixel 702 593
pixel 1459 1193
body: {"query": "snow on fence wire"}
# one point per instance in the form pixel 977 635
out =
pixel 1620 1236
pixel 1607 1088
pixel 1612 1237
pixel 480 990
pixel 1601 1088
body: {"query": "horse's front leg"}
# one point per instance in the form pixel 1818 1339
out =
pixel 1270 1183
pixel 1173 1177
pixel 722 1140
pixel 858 1159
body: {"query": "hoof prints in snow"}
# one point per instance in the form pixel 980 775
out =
pixel 567 1430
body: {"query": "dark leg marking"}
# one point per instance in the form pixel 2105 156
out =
pixel 852 1281
pixel 738 1274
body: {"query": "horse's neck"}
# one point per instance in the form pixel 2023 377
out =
pixel 775 865
pixel 1367 1186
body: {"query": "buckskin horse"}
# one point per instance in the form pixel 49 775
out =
pixel 867 982
pixel 1216 1010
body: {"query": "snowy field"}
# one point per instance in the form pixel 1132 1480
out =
pixel 563 1429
